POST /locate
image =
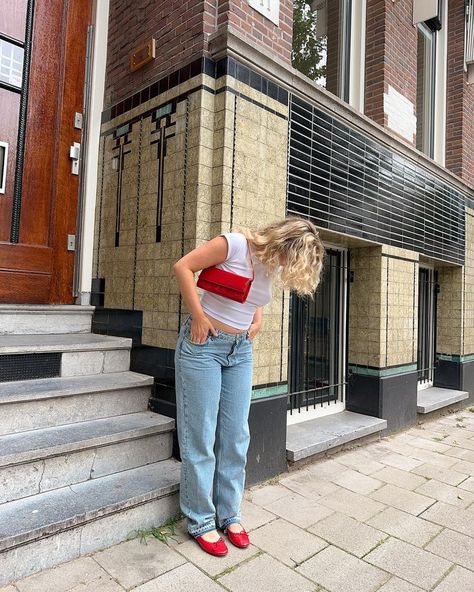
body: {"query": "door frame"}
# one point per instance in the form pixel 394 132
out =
pixel 321 410
pixel 424 384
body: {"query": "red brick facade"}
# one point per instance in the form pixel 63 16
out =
pixel 460 100
pixel 391 50
pixel 181 30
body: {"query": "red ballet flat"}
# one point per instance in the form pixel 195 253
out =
pixel 239 539
pixel 217 548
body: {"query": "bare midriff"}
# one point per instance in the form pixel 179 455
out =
pixel 223 327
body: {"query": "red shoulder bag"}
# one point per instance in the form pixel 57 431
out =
pixel 225 283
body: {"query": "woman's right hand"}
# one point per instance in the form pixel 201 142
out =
pixel 200 327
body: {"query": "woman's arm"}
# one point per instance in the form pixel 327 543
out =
pixel 256 323
pixel 207 255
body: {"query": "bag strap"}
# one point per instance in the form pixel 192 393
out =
pixel 249 253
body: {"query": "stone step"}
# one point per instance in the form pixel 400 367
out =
pixel 45 459
pixel 433 398
pixel 40 356
pixel 46 402
pixel 43 530
pixel 307 438
pixel 45 318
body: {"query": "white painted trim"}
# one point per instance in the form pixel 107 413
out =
pixel 101 25
pixel 314 413
pixel 3 179
pixel 269 8
pixel 441 89
pixel 357 57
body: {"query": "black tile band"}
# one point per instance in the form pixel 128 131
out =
pixel 203 65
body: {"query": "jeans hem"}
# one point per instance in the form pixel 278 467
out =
pixel 203 530
pixel 229 521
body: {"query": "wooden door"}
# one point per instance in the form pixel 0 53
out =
pixel 42 70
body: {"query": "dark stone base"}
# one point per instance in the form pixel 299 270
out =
pixel 392 398
pixel 456 375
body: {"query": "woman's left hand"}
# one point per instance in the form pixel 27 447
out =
pixel 253 330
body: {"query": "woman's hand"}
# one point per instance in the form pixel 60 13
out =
pixel 253 330
pixel 200 327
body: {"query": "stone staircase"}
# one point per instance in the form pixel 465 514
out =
pixel 83 463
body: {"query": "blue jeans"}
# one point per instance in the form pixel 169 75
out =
pixel 213 389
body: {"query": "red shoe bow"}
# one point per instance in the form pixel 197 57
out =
pixel 239 539
pixel 218 548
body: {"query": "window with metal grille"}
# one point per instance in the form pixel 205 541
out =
pixel 469 37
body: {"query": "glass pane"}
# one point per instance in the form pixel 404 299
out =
pixel 13 18
pixel 425 90
pixel 9 118
pixel 11 63
pixel 319 42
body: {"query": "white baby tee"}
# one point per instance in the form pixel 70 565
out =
pixel 236 314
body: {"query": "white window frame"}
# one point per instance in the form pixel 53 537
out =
pixel 3 178
pixel 357 55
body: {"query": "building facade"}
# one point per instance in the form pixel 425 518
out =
pixel 355 114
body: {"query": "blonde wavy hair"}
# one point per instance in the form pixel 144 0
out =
pixel 298 240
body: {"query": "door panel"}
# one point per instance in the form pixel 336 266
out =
pixel 40 210
pixel 10 110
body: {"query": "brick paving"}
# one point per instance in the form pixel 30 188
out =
pixel 395 515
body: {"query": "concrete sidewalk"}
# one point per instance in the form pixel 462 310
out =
pixel 395 515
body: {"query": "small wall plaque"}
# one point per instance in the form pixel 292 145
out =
pixel 143 55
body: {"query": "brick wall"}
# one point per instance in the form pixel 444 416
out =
pixel 391 50
pixel 256 28
pixel 460 100
pixel 181 29
pixel 178 28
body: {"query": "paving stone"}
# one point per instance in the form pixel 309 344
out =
pixel 409 563
pixel 299 510
pixel 254 516
pixel 262 496
pixel 465 467
pixel 210 564
pixel 460 453
pixel 181 535
pixel 446 493
pixel 404 500
pixel 405 526
pixel 338 571
pixel 454 546
pixel 398 461
pixel 9 589
pixel 287 542
pixel 455 518
pixel 433 458
pixel 99 585
pixel 352 504
pixel 449 476
pixel 362 461
pixel 458 580
pixel 348 534
pixel 308 484
pixel 357 482
pixel 397 585
pixel 468 484
pixel 186 578
pixel 425 444
pixel 65 577
pixel 265 574
pixel 399 477
pixel 326 469
pixel 132 563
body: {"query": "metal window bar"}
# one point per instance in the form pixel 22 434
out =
pixel 317 350
pixel 427 300
pixel 469 33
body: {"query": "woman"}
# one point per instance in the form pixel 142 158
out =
pixel 213 363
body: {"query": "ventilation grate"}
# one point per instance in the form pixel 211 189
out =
pixel 29 366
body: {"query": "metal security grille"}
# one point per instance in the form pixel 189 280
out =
pixel 29 366
pixel 427 296
pixel 317 352
pixel 349 183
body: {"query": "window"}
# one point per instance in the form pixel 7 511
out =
pixel 425 91
pixel 322 41
pixel 11 63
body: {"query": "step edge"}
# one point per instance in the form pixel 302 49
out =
pixel 12 542
pixel 424 409
pixel 295 454
pixel 34 455
pixel 85 390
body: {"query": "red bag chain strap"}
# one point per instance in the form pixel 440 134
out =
pixel 225 283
